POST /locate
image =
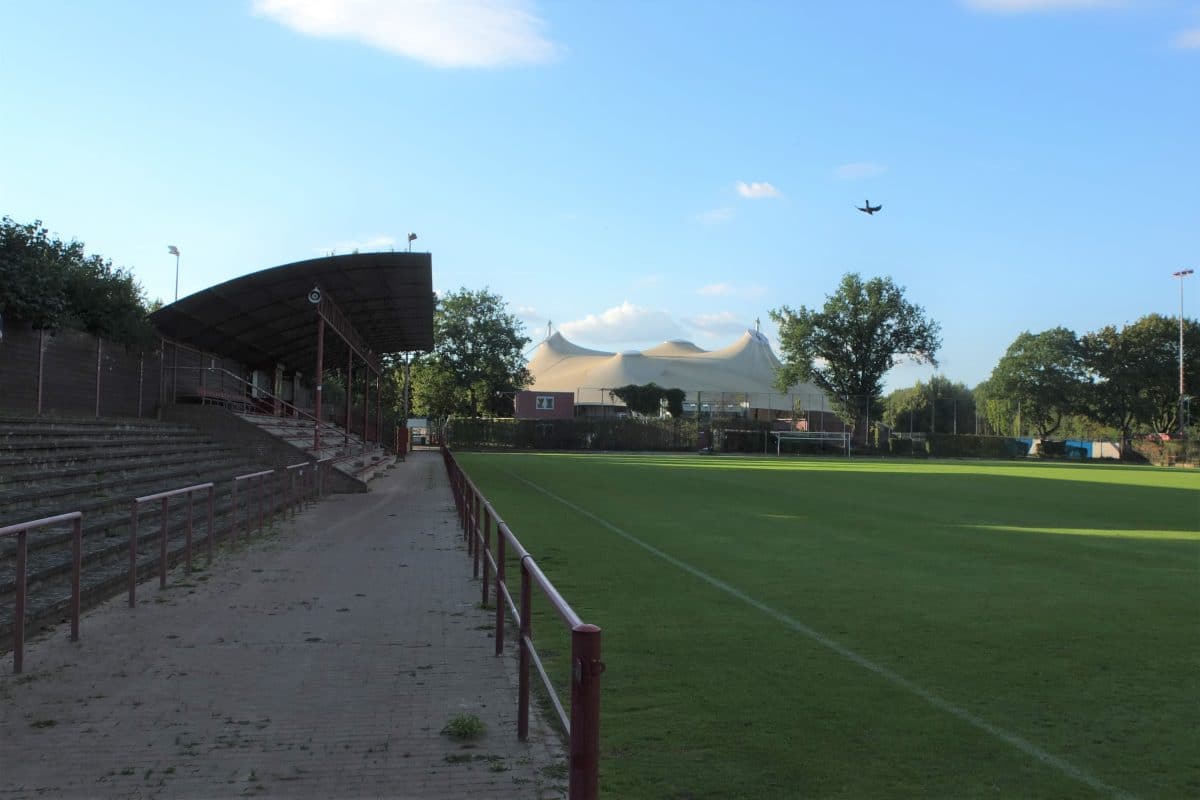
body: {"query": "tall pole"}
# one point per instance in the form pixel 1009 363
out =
pixel 1181 274
pixel 173 250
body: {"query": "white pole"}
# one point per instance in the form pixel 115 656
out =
pixel 1183 273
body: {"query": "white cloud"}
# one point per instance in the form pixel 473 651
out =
pixel 757 190
pixel 859 170
pixel 716 216
pixel 454 33
pixel 1188 40
pixel 1021 6
pixel 375 244
pixel 715 289
pixel 723 324
pixel 623 323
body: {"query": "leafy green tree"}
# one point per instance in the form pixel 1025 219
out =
pixel 54 284
pixel 476 365
pixel 1043 374
pixel 648 400
pixel 997 413
pixel 864 329
pixel 1134 373
pixel 940 406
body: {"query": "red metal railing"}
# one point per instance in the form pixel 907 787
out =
pixel 583 727
pixel 165 499
pixel 301 485
pixel 266 509
pixel 251 392
pixel 21 530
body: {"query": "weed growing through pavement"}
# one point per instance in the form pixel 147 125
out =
pixel 463 727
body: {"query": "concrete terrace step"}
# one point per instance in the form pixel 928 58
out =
pixel 102 463
pixel 61 426
pixel 21 443
pixel 17 504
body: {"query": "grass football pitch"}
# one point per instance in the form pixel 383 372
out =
pixel 852 628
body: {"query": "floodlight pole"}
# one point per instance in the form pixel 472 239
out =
pixel 1181 274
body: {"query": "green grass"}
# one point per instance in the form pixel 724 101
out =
pixel 1054 604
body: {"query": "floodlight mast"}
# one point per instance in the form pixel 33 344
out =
pixel 1181 274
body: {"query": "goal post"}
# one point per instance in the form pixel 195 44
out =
pixel 811 441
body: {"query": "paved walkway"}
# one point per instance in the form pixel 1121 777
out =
pixel 322 661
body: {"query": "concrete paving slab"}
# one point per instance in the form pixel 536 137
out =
pixel 322 660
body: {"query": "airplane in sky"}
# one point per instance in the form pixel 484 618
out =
pixel 867 208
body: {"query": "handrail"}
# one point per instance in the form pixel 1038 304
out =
pixel 301 485
pixel 583 726
pixel 21 529
pixel 165 499
pixel 299 412
pixel 261 478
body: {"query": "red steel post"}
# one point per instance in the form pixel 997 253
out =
pixel 523 661
pixel 349 394
pixel 19 611
pixel 586 668
pixel 473 531
pixel 320 376
pixel 187 547
pixel 99 357
pixel 133 530
pixel 212 533
pixel 233 518
pixel 162 548
pixel 41 366
pixel 366 409
pixel 487 549
pixel 500 603
pixel 76 569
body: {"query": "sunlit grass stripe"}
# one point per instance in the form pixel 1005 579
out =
pixel 1020 743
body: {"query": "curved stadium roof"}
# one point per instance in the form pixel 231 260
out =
pixel 265 317
pixel 745 367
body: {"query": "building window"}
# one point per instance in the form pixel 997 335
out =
pixel 545 402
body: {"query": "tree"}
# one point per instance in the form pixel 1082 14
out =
pixel 863 330
pixel 54 284
pixel 940 406
pixel 1043 374
pixel 1134 373
pixel 648 400
pixel 476 365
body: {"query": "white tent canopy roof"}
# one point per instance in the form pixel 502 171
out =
pixel 746 367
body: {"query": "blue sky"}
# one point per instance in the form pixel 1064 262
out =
pixel 632 171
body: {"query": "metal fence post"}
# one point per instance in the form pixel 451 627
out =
pixel 487 549
pixel 475 534
pixel 212 532
pixel 233 518
pixel 499 592
pixel 19 611
pixel 162 548
pixel 76 569
pixel 133 532
pixel 586 668
pixel 187 548
pixel 523 661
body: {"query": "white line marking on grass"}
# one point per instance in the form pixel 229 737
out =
pixel 1024 745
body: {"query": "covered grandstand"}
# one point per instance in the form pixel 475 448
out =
pixel 738 380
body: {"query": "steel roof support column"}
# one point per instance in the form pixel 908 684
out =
pixel 349 395
pixel 366 409
pixel 320 377
pixel 379 409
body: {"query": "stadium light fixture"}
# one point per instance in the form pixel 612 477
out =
pixel 1181 274
pixel 173 250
